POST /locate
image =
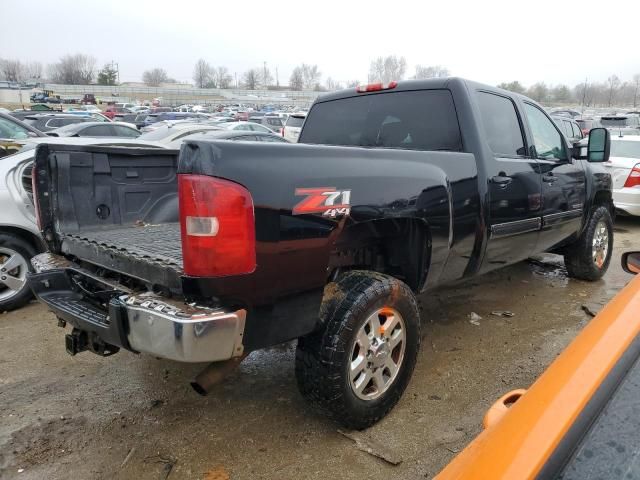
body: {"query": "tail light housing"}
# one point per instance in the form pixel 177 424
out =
pixel 34 194
pixel 633 180
pixel 217 227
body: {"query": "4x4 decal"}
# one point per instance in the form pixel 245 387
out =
pixel 326 200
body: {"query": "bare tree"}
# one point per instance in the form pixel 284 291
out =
pixel 332 85
pixel 202 74
pixel 222 77
pixel 311 76
pixel 636 91
pixel 11 70
pixel 514 86
pixel 266 78
pixel 386 69
pixel 33 71
pixel 435 71
pixel 296 81
pixel 251 79
pixel 155 77
pixel 78 69
pixel 613 83
pixel 561 94
pixel 583 93
pixel 539 92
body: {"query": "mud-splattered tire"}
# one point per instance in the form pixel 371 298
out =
pixel 589 257
pixel 371 333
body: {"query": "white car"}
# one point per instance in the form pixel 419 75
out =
pixel 128 106
pixel 624 166
pixel 171 132
pixel 89 108
pixel 19 234
pixel 293 126
pixel 246 126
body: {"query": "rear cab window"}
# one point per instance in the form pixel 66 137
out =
pixel 413 120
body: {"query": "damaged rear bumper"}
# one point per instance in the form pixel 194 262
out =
pixel 140 323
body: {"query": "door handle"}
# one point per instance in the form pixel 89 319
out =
pixel 549 178
pixel 501 180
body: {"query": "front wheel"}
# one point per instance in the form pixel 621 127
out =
pixel 589 257
pixel 359 364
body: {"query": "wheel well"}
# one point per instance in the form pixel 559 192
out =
pixel 26 235
pixel 604 197
pixel 399 247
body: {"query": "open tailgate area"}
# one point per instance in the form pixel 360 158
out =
pixel 114 207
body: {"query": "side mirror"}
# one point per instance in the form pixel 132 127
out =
pixel 599 145
pixel 631 262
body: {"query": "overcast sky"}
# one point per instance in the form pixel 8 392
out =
pixel 485 40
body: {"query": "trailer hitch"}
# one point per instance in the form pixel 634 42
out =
pixel 79 341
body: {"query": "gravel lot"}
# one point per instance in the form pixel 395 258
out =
pixel 133 416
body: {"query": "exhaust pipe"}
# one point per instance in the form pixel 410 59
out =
pixel 215 373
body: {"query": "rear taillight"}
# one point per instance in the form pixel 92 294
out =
pixel 217 227
pixel 375 87
pixel 633 180
pixel 34 194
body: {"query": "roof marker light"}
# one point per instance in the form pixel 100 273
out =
pixel 376 87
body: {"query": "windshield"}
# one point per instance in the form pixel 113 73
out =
pixel 157 134
pixel 67 130
pixel 615 121
pixel 625 149
pixel 274 121
pixel 295 121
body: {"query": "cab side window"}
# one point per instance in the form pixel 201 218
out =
pixel 501 125
pixel 546 137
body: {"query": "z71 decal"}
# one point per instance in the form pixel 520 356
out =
pixel 326 200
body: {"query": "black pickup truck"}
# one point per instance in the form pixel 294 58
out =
pixel 223 248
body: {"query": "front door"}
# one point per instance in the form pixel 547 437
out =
pixel 514 184
pixel 563 181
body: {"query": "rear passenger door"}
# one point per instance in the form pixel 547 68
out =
pixel 563 180
pixel 513 181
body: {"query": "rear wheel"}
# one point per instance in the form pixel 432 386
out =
pixel 589 257
pixel 357 367
pixel 15 255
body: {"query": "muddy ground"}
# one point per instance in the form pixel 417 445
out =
pixel 133 416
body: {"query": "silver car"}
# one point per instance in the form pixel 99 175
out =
pixel 19 233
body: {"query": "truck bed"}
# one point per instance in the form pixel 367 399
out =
pixel 152 253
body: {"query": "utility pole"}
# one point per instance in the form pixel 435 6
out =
pixel 236 75
pixel 264 75
pixel 584 93
pixel 277 78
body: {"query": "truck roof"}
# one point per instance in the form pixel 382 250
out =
pixel 408 85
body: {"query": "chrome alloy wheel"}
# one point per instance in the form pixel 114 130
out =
pixel 13 273
pixel 377 354
pixel 600 247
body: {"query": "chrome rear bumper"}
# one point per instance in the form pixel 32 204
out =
pixel 142 323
